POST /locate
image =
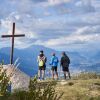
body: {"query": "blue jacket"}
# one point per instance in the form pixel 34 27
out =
pixel 54 61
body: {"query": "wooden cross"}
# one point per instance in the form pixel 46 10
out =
pixel 13 35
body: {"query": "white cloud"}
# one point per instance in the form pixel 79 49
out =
pixel 53 2
pixel 32 35
pixel 48 22
pixel 92 18
pixel 72 39
pixel 85 5
pixel 89 30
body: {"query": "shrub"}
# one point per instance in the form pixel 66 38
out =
pixel 4 81
pixel 86 75
pixel 37 91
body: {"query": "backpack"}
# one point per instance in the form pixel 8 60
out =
pixel 55 60
pixel 41 61
pixel 67 59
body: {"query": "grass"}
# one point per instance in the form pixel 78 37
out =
pixel 86 76
pixel 37 91
pixel 80 89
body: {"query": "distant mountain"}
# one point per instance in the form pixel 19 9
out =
pixel 28 58
pixel 4 56
pixel 93 56
pixel 96 57
pixel 77 58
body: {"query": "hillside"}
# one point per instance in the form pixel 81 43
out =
pixel 28 57
pixel 80 89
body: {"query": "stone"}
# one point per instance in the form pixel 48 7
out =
pixel 19 80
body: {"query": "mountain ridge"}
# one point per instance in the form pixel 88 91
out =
pixel 28 57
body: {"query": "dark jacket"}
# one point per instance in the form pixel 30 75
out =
pixel 65 61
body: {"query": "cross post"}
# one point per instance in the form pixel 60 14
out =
pixel 13 36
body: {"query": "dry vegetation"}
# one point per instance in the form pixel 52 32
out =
pixel 81 88
pixel 85 86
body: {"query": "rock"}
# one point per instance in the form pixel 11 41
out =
pixel 63 82
pixel 19 80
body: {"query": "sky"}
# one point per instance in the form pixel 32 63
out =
pixel 72 25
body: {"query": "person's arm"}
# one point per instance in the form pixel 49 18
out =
pixel 68 60
pixel 60 64
pixel 45 59
pixel 57 60
pixel 51 61
pixel 38 59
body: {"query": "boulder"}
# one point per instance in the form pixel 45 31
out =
pixel 19 80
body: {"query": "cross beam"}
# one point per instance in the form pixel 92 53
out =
pixel 7 36
pixel 13 36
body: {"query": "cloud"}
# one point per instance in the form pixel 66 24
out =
pixel 52 23
pixel 96 4
pixel 89 30
pixel 54 2
pixel 85 5
pixel 77 39
pixel 73 43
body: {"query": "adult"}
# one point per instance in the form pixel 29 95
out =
pixel 54 64
pixel 64 63
pixel 42 65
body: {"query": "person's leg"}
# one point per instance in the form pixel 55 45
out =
pixel 52 72
pixel 64 75
pixel 56 72
pixel 69 75
pixel 64 72
pixel 39 73
pixel 43 74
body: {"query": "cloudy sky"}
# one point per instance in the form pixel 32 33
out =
pixel 58 24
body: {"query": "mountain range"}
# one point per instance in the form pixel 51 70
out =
pixel 28 59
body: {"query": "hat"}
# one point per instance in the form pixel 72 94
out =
pixel 63 53
pixel 53 54
pixel 41 52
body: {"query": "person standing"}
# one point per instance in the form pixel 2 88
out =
pixel 42 65
pixel 64 63
pixel 54 64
